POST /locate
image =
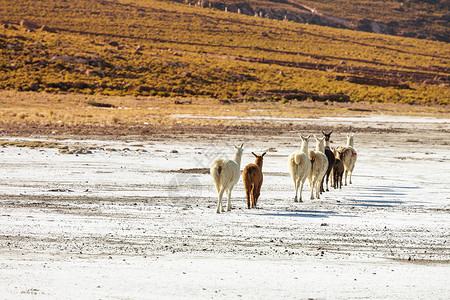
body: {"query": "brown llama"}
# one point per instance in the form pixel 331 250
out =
pixel 253 179
pixel 338 169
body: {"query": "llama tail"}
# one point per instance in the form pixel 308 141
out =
pixel 291 164
pixel 249 177
pixel 312 155
pixel 297 158
pixel 216 171
pixel 347 154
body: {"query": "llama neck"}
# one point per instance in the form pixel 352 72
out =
pixel 259 162
pixel 237 157
pixel 350 142
pixel 304 147
pixel 320 147
pixel 327 144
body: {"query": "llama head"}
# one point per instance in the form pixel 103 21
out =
pixel 305 140
pixel 318 139
pixel 239 151
pixel 259 159
pixel 350 139
pixel 327 136
pixel 239 148
pixel 320 144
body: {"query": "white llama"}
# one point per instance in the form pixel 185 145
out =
pixel 348 157
pixel 226 173
pixel 319 165
pixel 299 167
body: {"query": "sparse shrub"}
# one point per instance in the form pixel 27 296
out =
pixel 99 104
pixel 249 99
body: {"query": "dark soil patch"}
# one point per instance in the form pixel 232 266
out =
pixel 191 171
pixel 254 129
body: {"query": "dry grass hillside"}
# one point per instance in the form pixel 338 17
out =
pixel 428 19
pixel 169 49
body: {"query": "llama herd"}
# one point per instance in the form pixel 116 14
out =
pixel 322 165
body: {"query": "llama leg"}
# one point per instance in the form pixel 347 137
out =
pixel 301 188
pixel 351 172
pixel 219 203
pixel 318 190
pixel 345 175
pixel 296 182
pixel 331 179
pixel 247 192
pixel 336 181
pixel 257 193
pixel 229 200
pixel 253 196
pixel 328 177
pixel 311 187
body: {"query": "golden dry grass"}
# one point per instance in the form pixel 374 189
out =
pixel 30 110
pixel 188 51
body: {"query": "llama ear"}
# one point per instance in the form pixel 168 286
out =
pixel 254 154
pixel 309 135
pixel 324 132
pixel 242 145
pixel 315 137
pixel 330 132
pixel 263 154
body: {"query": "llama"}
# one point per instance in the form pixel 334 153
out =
pixel 338 170
pixel 253 179
pixel 226 173
pixel 319 166
pixel 348 157
pixel 331 159
pixel 299 167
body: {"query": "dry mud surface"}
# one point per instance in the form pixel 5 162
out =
pixel 136 219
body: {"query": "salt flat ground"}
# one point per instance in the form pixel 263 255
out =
pixel 126 223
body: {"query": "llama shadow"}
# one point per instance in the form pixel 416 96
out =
pixel 392 190
pixel 375 203
pixel 383 196
pixel 299 214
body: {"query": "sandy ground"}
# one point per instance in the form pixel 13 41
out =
pixel 125 223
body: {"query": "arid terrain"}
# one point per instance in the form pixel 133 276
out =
pixel 113 111
pixel 133 216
